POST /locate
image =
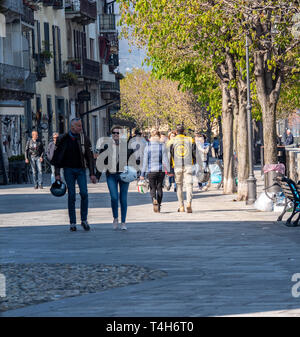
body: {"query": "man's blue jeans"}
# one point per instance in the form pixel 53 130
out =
pixel 113 180
pixel 71 176
pixel 37 174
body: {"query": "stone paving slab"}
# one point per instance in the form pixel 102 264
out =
pixel 225 258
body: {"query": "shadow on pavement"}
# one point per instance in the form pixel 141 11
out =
pixel 214 267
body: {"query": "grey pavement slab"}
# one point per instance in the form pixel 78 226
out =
pixel 224 259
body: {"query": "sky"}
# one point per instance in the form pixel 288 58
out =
pixel 129 60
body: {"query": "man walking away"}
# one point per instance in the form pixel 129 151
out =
pixel 34 152
pixel 73 154
pixel 183 155
pixel 50 151
pixel 203 147
pixel 215 146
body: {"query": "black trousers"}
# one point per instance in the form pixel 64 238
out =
pixel 156 180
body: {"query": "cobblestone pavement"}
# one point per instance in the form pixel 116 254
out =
pixel 29 284
pixel 225 258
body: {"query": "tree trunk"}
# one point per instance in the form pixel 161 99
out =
pixel 235 129
pixel 242 143
pixel 268 86
pixel 269 132
pixel 227 125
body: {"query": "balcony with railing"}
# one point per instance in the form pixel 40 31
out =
pixel 74 70
pixel 107 22
pixel 81 11
pixel 40 69
pixel 28 16
pixel 13 6
pixel 110 90
pixel 113 39
pixel 56 4
pixel 16 83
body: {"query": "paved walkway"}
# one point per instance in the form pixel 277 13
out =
pixel 225 258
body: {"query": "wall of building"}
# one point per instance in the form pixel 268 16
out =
pixel 54 100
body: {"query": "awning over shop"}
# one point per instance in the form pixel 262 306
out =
pixel 11 108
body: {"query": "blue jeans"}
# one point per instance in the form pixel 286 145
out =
pixel 71 175
pixel 37 174
pixel 53 174
pixel 113 180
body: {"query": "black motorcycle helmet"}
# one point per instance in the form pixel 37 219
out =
pixel 58 188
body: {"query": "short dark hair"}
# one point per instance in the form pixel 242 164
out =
pixel 180 128
pixel 137 133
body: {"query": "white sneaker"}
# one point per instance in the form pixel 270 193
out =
pixel 115 224
pixel 123 226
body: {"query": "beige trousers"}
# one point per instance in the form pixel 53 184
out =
pixel 183 175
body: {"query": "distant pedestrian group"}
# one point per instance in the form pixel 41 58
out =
pixel 162 160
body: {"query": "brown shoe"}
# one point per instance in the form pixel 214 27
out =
pixel 155 206
pixel 181 209
pixel 189 208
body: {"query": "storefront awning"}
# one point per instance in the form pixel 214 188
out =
pixel 11 108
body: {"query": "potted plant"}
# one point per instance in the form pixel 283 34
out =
pixel 19 157
pixel 46 55
pixel 76 63
pixel 70 77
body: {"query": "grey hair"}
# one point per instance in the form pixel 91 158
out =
pixel 73 120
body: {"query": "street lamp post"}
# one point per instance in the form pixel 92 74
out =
pixel 251 179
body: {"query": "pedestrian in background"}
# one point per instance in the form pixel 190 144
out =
pixel 137 144
pixel 50 152
pixel 155 165
pixel 288 138
pixel 34 153
pixel 171 177
pixel 163 138
pixel 215 146
pixel 73 153
pixel 202 147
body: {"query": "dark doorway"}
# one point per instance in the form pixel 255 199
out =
pixel 60 113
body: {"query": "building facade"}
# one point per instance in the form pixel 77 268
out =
pixel 17 78
pixel 58 60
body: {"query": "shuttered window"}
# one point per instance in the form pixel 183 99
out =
pixel 57 52
pixel 84 51
pixel 54 52
pixel 46 36
pixel 38 32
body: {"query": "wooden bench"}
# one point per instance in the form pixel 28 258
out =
pixel 291 191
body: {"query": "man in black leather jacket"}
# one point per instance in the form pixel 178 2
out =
pixel 73 153
pixel 34 152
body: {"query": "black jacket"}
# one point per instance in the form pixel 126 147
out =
pixel 34 149
pixel 59 156
pixel 104 148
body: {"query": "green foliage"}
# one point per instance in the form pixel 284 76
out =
pixel 20 157
pixel 189 36
pixel 154 102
